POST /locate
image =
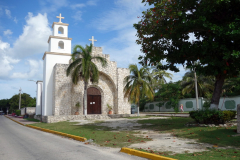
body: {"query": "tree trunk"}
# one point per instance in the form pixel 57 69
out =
pixel 138 110
pixel 217 91
pixel 85 98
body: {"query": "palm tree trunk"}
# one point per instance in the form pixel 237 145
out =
pixel 138 110
pixel 217 91
pixel 85 98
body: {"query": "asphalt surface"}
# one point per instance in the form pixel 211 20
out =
pixel 18 142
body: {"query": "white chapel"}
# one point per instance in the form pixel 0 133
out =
pixel 57 96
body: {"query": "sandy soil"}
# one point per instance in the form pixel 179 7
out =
pixel 160 142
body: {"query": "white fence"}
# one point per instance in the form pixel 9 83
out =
pixel 189 104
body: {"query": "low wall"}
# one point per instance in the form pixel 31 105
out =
pixel 60 118
pixel 238 118
pixel 28 110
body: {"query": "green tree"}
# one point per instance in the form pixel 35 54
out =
pixel 83 67
pixel 159 76
pixel 205 84
pixel 164 34
pixel 4 103
pixel 138 85
pixel 231 86
pixel 171 92
pixel 26 101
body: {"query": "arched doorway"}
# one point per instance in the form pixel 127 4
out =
pixel 93 101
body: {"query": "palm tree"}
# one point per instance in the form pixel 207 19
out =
pixel 138 84
pixel 159 76
pixel 83 68
pixel 205 84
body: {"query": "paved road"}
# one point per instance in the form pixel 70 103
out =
pixel 22 143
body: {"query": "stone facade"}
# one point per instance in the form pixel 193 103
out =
pixel 238 118
pixel 66 94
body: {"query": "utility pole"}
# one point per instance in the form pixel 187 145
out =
pixel 196 90
pixel 20 98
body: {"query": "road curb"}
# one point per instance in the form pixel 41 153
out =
pixel 78 138
pixel 144 154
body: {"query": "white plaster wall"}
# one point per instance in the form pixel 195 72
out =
pixel 38 98
pixel 55 30
pixel 183 101
pixel 224 99
pixel 53 43
pixel 49 62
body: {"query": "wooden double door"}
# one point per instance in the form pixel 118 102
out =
pixel 93 101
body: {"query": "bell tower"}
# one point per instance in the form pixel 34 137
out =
pixel 59 51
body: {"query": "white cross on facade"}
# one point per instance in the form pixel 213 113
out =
pixel 92 40
pixel 60 18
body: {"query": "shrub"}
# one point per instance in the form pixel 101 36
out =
pixel 228 115
pixel 18 112
pixel 212 116
pixel 206 104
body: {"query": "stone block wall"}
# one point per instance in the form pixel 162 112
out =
pixel 124 107
pixel 66 94
pixel 62 91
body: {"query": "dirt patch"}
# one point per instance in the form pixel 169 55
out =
pixel 160 141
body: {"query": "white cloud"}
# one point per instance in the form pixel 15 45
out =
pixel 32 41
pixel 35 70
pixel 8 13
pixel 80 5
pixel 92 2
pixel 34 37
pixel 77 16
pixel 7 32
pixel 15 20
pixel 6 62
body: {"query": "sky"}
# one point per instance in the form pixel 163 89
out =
pixel 26 25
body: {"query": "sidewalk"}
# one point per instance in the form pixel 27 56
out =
pixel 21 120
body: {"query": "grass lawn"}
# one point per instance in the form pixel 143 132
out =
pixel 101 135
pixel 218 136
pixel 32 119
pixel 105 136
pixel 212 154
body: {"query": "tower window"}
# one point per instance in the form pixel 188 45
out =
pixel 60 30
pixel 60 45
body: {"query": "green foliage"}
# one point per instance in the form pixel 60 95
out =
pixel 138 84
pixel 165 28
pixel 84 68
pixel 18 112
pixel 212 116
pixel 206 104
pixel 78 105
pixel 158 76
pixel 228 115
pixel 26 101
pixel 170 92
pixel 205 84
pixel 231 86
pixel 109 107
pixel 142 103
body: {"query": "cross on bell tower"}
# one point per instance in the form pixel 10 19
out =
pixel 60 18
